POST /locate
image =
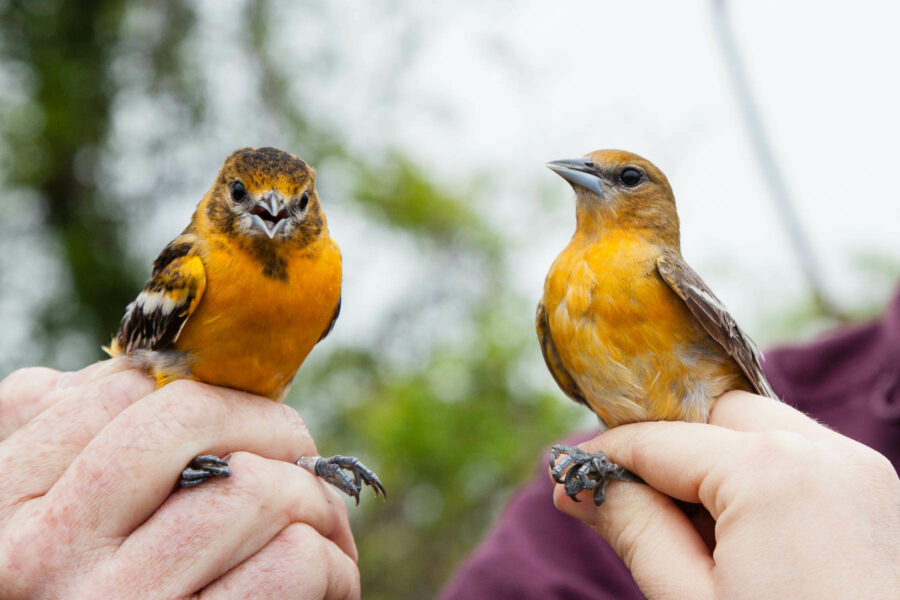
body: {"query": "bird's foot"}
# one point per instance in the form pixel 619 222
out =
pixel 343 472
pixel 202 468
pixel 586 471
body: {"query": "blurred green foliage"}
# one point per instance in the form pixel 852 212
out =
pixel 449 402
pixel 451 428
pixel 452 437
pixel 67 47
pixel 400 193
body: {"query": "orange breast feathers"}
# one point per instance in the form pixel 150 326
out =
pixel 252 331
pixel 625 325
pixel 629 343
pixel 243 294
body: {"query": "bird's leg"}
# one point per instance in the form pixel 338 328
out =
pixel 586 471
pixel 202 468
pixel 343 472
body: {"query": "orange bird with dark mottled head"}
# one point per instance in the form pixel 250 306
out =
pixel 243 294
pixel 625 325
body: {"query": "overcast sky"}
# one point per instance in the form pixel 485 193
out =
pixel 502 87
pixel 496 88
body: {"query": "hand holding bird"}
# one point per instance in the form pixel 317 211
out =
pixel 243 294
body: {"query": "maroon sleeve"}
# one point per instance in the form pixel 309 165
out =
pixel 849 380
pixel 536 552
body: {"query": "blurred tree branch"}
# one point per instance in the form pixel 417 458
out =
pixel 769 165
pixel 453 424
pixel 66 46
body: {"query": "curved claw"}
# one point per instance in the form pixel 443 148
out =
pixel 586 471
pixel 202 468
pixel 557 470
pixel 600 493
pixel 337 471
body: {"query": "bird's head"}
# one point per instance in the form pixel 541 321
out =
pixel 267 195
pixel 614 188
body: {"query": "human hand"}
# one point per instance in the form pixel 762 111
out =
pixel 800 511
pixel 89 461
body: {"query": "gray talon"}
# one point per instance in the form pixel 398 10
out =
pixel 586 471
pixel 345 473
pixel 202 468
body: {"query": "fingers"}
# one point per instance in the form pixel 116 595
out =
pixel 715 465
pixel 37 454
pixel 756 457
pixel 664 552
pixel 96 371
pixel 132 465
pixel 674 457
pixel 26 393
pixel 297 563
pixel 228 521
pixel 23 394
pixel 743 411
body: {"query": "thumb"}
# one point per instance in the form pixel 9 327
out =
pixel 659 545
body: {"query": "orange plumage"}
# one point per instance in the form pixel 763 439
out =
pixel 243 294
pixel 625 325
pixel 252 331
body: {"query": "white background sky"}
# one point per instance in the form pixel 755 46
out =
pixel 501 88
pixel 497 88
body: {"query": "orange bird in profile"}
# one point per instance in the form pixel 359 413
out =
pixel 625 325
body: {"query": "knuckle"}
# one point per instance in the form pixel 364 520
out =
pixel 323 557
pixel 298 536
pixel 186 404
pixel 883 465
pixel 251 476
pixel 14 386
pixel 778 446
pixel 345 581
pixel 641 457
pixel 355 585
pixel 18 552
pixel 122 389
pixel 629 530
pixel 781 458
pixel 30 551
pixel 291 416
pixel 631 537
pixel 298 428
pixel 301 562
pixel 22 377
pixel 877 470
pixel 303 543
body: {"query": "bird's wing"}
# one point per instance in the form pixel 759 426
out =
pixel 551 357
pixel 715 318
pixel 156 317
pixel 334 318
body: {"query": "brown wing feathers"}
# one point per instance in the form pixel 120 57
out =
pixel 154 319
pixel 715 318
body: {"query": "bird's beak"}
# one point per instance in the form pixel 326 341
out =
pixel 269 215
pixel 579 172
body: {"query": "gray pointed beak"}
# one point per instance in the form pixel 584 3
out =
pixel 579 172
pixel 269 214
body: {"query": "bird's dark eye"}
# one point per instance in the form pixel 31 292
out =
pixel 631 176
pixel 238 191
pixel 304 200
